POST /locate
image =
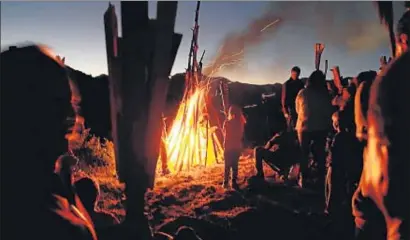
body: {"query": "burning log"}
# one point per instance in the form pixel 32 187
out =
pixel 192 139
pixel 138 76
pixel 200 62
pixel 326 67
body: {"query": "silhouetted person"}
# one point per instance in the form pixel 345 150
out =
pixel 35 103
pixel 64 171
pixel 314 122
pixel 344 164
pixel 361 100
pixel 290 90
pixel 363 204
pixel 380 204
pixel 89 191
pixel 234 128
pixel 280 152
pixel 349 93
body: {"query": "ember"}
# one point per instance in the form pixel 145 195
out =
pixel 191 140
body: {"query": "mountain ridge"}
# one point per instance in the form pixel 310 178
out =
pixel 261 100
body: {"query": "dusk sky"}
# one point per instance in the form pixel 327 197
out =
pixel 351 32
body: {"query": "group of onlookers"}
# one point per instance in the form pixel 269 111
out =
pixel 358 138
pixel 368 159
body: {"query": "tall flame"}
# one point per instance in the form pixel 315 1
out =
pixel 191 140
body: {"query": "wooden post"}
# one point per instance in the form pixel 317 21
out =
pixel 114 65
pixel 139 83
pixel 159 80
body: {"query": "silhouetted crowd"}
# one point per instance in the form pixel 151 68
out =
pixel 357 137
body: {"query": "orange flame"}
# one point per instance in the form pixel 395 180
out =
pixel 191 140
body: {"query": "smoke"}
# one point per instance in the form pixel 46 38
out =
pixel 232 51
pixel 371 40
pixel 353 26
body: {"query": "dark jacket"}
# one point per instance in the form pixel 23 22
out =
pixel 345 155
pixel 285 144
pixel 290 90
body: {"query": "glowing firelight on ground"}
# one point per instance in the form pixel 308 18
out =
pixel 191 140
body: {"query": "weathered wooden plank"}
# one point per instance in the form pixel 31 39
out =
pixel 166 15
pixel 139 78
pixel 176 42
pixel 134 17
pixel 111 39
pixel 132 121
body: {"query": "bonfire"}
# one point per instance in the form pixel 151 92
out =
pixel 191 140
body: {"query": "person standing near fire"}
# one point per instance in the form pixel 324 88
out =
pixel 233 130
pixel 290 90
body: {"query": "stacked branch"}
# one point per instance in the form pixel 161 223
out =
pixel 192 140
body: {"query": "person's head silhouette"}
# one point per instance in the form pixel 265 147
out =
pixel 88 191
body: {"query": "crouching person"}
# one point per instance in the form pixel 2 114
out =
pixel 234 130
pixel 280 153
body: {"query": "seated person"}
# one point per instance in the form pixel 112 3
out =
pixel 280 152
pixel 88 191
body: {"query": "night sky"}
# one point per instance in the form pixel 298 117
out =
pixel 351 32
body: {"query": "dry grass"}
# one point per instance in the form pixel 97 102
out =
pixel 197 193
pixel 196 198
pixel 98 162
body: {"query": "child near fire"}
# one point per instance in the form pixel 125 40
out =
pixel 344 163
pixel 233 129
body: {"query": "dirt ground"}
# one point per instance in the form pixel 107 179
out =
pixel 257 210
